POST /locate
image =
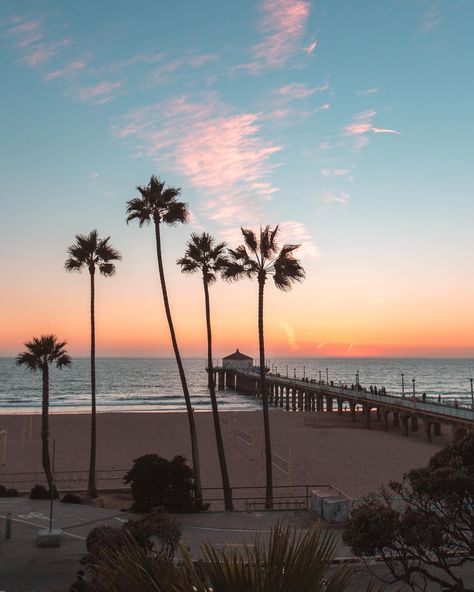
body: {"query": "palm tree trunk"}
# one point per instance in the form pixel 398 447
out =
pixel 182 376
pixel 215 411
pixel 45 429
pixel 91 487
pixel 263 389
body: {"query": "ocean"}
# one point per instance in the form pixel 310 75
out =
pixel 152 384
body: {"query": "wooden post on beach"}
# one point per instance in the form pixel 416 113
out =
pixel 290 466
pixel 3 446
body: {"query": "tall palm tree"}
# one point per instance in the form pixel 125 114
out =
pixel 92 253
pixel 259 257
pixel 40 353
pixel 158 203
pixel 204 255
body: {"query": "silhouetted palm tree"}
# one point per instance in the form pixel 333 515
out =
pixel 92 253
pixel 158 203
pixel 40 353
pixel 204 255
pixel 260 257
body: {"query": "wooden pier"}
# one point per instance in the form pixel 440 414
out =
pixel 408 413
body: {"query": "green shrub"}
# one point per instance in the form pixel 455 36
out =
pixel 71 498
pixel 39 492
pixel 157 534
pixel 159 483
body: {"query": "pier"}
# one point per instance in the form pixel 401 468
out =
pixel 410 414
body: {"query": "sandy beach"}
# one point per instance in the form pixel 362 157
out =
pixel 330 450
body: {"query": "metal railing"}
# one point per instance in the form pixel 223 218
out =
pixel 432 407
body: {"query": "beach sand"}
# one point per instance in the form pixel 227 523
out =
pixel 329 451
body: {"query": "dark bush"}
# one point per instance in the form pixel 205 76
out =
pixel 159 483
pixel 39 492
pixel 11 492
pixel 71 498
pixel 158 534
pixel 3 491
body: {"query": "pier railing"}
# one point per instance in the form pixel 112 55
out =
pixel 409 402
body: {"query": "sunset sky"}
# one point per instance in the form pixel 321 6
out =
pixel 349 123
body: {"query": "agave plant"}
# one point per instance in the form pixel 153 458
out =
pixel 290 561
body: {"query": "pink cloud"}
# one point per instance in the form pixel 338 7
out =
pixel 222 154
pixel 283 24
pixel 161 75
pixel 362 127
pixel 71 68
pixel 311 47
pixel 301 91
pixel 29 39
pixel 100 93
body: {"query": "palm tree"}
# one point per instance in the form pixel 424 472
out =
pixel 159 204
pixel 204 255
pixel 260 257
pixel 92 253
pixel 40 353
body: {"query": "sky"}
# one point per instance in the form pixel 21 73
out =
pixel 348 123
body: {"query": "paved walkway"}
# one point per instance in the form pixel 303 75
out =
pixel 26 568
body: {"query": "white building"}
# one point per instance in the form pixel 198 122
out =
pixel 237 361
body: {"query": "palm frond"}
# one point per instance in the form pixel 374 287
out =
pixel 73 264
pixel 107 269
pixel 188 265
pixel 176 212
pixel 90 251
pixel 139 209
pixel 287 269
pixel 250 239
pixel 268 246
pixel 44 350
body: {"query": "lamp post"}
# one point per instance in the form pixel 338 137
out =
pixel 327 375
pixel 414 392
pixel 320 377
pixel 304 372
pixel 472 395
pixel 276 369
pixel 287 370
pixel 357 378
pixel 403 385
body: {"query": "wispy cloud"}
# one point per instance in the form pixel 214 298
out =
pixel 362 126
pixel 283 25
pixel 98 94
pixel 166 73
pixel 297 90
pixel 29 39
pixel 431 17
pixel 335 172
pixel 330 196
pixel 367 92
pixel 311 47
pixel 290 335
pixel 68 70
pixel 381 130
pixel 221 153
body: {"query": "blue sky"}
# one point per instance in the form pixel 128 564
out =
pixel 350 123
